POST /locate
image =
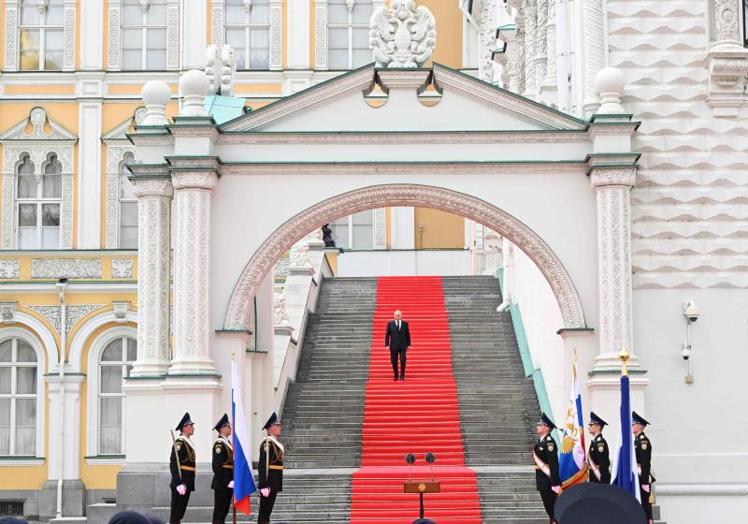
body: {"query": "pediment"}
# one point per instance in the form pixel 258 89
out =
pixel 38 126
pixel 120 131
pixel 460 103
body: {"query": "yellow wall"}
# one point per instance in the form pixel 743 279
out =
pixel 440 229
pixel 448 49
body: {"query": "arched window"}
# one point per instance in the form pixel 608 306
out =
pixel 38 202
pixel 114 367
pixel 18 387
pixel 128 207
pixel 248 32
pixel 348 33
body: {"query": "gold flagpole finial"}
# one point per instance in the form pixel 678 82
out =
pixel 624 356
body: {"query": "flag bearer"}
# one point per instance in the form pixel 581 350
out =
pixel 182 467
pixel 545 454
pixel 223 470
pixel 598 454
pixel 270 468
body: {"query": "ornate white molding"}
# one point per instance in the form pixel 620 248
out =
pixel 69 25
pixel 486 11
pixel 122 268
pixel 12 9
pixel 218 17
pixel 402 35
pixel 594 51
pixel 154 194
pixel 73 314
pixel 727 59
pixel 10 268
pixel 613 177
pixel 8 312
pixel 54 268
pixel 114 18
pixel 320 34
pixel 115 155
pixel 172 35
pixel 276 34
pixel 394 195
pixel 380 228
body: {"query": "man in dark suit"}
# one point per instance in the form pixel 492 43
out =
pixel 182 466
pixel 397 338
pixel 598 455
pixel 270 468
pixel 545 455
pixel 223 470
pixel 643 448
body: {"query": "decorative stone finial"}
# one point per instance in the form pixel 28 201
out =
pixel 194 86
pixel 220 65
pixel 156 94
pixel 402 35
pixel 609 84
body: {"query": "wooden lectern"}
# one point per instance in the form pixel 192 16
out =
pixel 421 487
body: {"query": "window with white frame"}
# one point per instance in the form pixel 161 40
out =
pixel 354 231
pixel 128 207
pixel 143 35
pixel 114 367
pixel 248 32
pixel 41 35
pixel 38 202
pixel 348 33
pixel 18 387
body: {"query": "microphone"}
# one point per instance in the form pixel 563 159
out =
pixel 430 459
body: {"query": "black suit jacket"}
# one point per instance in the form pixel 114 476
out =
pixel 397 338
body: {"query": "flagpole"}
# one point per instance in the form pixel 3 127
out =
pixel 233 427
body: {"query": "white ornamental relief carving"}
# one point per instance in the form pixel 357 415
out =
pixel 405 195
pixel 7 312
pixel 280 315
pixel 73 314
pixel 402 35
pixel 10 268
pixel 54 268
pixel 220 65
pixel 726 20
pixel 121 268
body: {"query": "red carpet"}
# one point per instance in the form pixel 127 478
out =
pixel 417 416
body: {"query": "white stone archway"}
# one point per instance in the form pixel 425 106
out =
pixel 393 195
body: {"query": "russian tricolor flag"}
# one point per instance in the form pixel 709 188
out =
pixel 625 474
pixel 244 483
pixel 572 466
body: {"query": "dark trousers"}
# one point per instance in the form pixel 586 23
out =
pixel 646 504
pixel 266 507
pixel 393 359
pixel 549 501
pixel 221 504
pixel 178 506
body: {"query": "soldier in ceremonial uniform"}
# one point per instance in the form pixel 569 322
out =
pixel 643 448
pixel 182 466
pixel 598 454
pixel 545 454
pixel 270 468
pixel 223 470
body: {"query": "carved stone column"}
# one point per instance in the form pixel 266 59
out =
pixel 594 51
pixel 154 191
pixel 727 60
pixel 194 179
pixel 549 89
pixel 541 49
pixel 612 187
pixel 530 18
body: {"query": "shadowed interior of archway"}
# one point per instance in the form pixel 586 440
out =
pixel 239 313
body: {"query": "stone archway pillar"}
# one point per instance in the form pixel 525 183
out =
pixel 154 191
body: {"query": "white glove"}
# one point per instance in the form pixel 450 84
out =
pixel 556 489
pixel 265 492
pixel 231 485
pixel 645 487
pixel 182 489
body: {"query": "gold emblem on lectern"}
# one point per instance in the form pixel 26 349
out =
pixel 421 487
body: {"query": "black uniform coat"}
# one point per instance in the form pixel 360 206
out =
pixel 395 338
pixel 223 464
pixel 643 448
pixel 186 452
pixel 547 451
pixel 599 454
pixel 270 466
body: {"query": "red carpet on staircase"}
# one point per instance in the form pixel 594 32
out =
pixel 416 416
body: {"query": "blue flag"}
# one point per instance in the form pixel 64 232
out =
pixel 244 483
pixel 624 467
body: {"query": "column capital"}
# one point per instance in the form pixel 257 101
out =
pixel 612 176
pixel 194 172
